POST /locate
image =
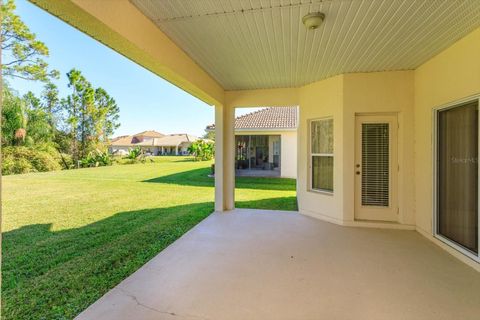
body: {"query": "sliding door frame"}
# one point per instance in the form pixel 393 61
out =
pixel 435 226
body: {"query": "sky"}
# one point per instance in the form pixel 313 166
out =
pixel 146 101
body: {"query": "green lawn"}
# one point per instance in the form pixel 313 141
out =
pixel 70 236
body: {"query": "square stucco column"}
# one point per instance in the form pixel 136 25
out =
pixel 224 158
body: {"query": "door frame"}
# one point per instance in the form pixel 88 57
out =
pixel 435 231
pixel 393 215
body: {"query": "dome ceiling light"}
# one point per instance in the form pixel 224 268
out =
pixel 313 20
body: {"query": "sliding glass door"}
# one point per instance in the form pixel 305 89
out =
pixel 457 176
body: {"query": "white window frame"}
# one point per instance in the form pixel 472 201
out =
pixel 436 234
pixel 311 155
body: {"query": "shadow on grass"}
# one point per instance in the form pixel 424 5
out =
pixel 279 203
pixel 199 177
pixel 57 274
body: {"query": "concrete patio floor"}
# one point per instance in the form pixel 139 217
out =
pixel 255 264
pixel 257 173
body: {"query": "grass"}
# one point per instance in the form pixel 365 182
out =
pixel 70 236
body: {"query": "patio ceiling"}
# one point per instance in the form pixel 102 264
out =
pixel 252 44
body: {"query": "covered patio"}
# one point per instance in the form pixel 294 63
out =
pixel 253 264
pixel 388 97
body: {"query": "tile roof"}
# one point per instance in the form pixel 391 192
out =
pixel 173 140
pixel 150 134
pixel 267 118
pixel 164 140
pixel 136 138
pixel 122 141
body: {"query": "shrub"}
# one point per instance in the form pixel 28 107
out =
pixel 202 150
pixel 17 160
pixel 43 161
pixel 66 160
pixel 96 158
pixel 134 156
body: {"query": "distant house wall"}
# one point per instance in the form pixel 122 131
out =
pixel 183 148
pixel 150 149
pixel 115 149
pixel 288 154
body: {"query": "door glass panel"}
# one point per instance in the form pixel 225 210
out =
pixel 375 164
pixel 457 192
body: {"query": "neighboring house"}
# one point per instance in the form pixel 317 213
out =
pixel 266 140
pixel 174 144
pixel 153 143
pixel 122 144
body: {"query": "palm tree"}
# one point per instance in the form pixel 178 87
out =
pixel 14 119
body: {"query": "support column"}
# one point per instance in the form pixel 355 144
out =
pixel 224 158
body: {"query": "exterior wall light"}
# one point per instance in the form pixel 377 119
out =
pixel 313 20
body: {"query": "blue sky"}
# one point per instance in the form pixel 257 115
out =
pixel 146 101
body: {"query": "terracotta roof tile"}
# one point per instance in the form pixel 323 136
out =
pixel 134 140
pixel 267 118
pixel 149 133
pixel 122 141
pixel 173 140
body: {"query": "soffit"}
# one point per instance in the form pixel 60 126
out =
pixel 255 44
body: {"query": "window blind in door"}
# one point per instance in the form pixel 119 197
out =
pixel 375 164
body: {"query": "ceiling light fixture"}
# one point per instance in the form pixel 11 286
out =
pixel 313 20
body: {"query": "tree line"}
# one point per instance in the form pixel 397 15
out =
pixel 38 131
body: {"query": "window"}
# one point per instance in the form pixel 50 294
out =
pixel 321 154
pixel 457 176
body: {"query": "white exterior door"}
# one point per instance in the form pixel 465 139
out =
pixel 376 167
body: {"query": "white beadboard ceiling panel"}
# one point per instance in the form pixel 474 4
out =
pixel 252 44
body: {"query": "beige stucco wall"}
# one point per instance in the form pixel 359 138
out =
pixel 380 92
pixel 341 98
pixel 320 100
pixel 288 154
pixel 452 75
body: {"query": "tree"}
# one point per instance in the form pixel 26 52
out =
pixel 38 131
pixel 91 116
pixel 107 118
pixel 74 106
pixel 51 102
pixel 23 54
pixel 209 134
pixel 14 118
pixel 24 122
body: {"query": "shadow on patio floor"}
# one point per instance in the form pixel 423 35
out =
pixel 57 274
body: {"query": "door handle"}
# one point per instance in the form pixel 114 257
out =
pixel 358 172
